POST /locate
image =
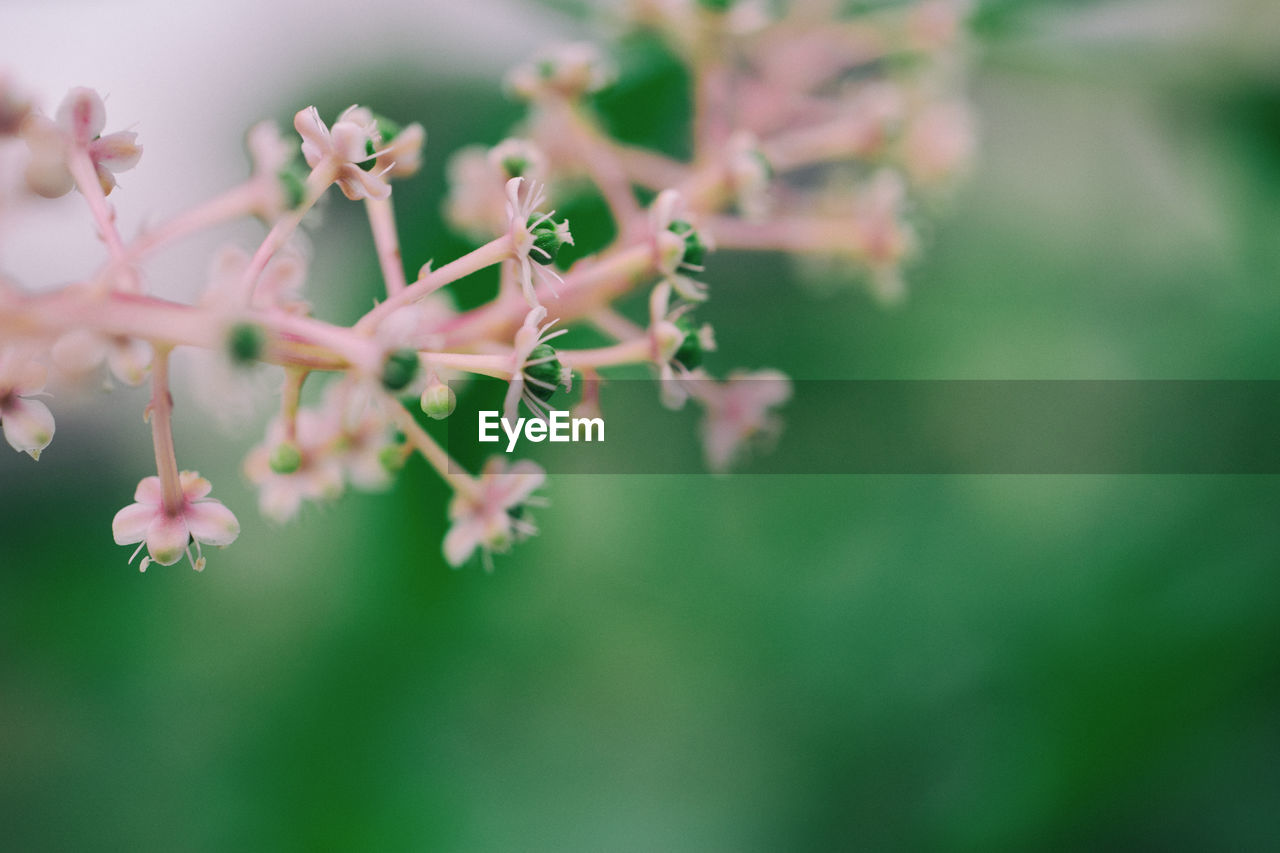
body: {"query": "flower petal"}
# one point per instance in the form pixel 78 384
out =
pixel 118 152
pixel 82 115
pixel 149 491
pixel 461 540
pixel 28 426
pixel 211 523
pixel 131 523
pixel 129 359
pixel 167 538
pixel 194 486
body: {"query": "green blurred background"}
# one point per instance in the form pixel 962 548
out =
pixel 737 663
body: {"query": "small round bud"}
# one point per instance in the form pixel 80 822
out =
pixel 716 5
pixel 695 250
pixel 549 237
pixel 544 367
pixel 286 458
pixel 399 369
pixel 438 401
pixel 391 458
pixel 245 342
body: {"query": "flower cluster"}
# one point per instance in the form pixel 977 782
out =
pixel 818 130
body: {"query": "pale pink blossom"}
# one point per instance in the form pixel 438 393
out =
pixel 673 251
pixel 570 70
pixel 536 371
pixel 672 337
pixel 491 517
pixel 168 535
pixel 524 223
pixel 81 351
pixel 77 125
pixel 476 203
pixel 342 149
pixel 27 423
pixel 738 412
pixel 318 475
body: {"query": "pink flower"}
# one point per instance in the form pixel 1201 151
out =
pixel 536 236
pixel 492 517
pixel 78 124
pixel 676 345
pixel 27 423
pixel 678 246
pixel 536 371
pixel 167 536
pixel 81 351
pixel 737 412
pixel 570 70
pixel 477 200
pixel 309 469
pixel 342 149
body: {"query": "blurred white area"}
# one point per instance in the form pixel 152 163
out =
pixel 191 77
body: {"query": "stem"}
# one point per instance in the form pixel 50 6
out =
pixel 161 412
pixel 493 252
pixel 497 366
pixel 639 350
pixel 86 177
pixel 227 207
pixel 452 473
pixel 382 220
pixel 290 395
pixel 317 182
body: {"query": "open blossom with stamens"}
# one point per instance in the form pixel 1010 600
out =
pixel 77 124
pixel 536 371
pixel 342 149
pixel 738 411
pixel 168 535
pixel 492 517
pixel 676 345
pixel 27 423
pixel 536 237
pixel 679 246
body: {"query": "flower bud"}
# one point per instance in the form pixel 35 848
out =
pixel 544 367
pixel 293 186
pixel 286 458
pixel 696 343
pixel 438 401
pixel 695 249
pixel 245 342
pixel 549 237
pixel 399 369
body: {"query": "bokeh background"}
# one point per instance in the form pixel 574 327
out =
pixel 687 663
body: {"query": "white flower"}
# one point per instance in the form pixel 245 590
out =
pixel 536 371
pixel 168 535
pixel 316 472
pixel 77 124
pixel 27 423
pixel 80 351
pixel 343 148
pixel 679 246
pixel 492 516
pixel 738 411
pixel 676 345
pixel 536 237
pixel 570 70
pixel 477 200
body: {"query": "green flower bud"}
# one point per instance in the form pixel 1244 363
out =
pixel 549 237
pixel 548 373
pixel 245 342
pixel 695 251
pixel 391 458
pixel 514 167
pixel 399 369
pixel 690 352
pixel 286 458
pixel 716 5
pixel 438 401
pixel 293 183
